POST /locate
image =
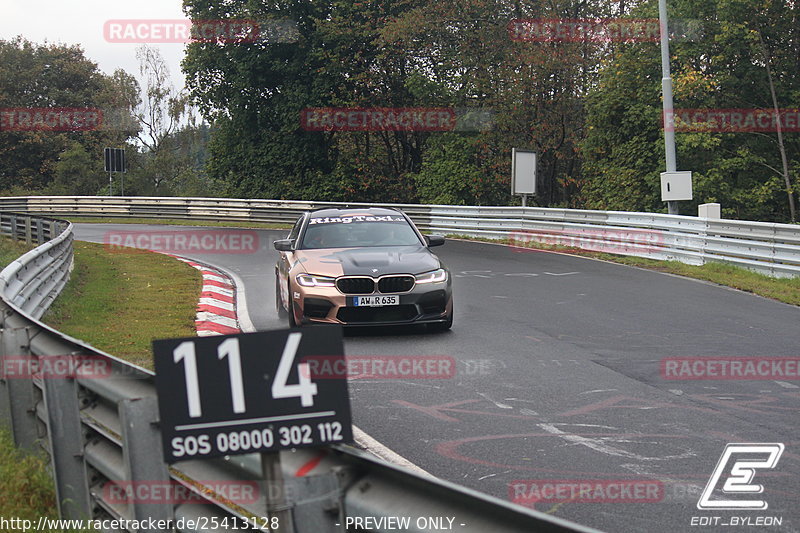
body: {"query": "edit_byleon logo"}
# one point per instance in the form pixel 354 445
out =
pixel 745 459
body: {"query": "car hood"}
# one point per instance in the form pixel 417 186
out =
pixel 372 261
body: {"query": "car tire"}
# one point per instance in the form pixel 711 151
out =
pixel 442 326
pixel 282 313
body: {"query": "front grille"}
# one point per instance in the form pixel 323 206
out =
pixel 394 313
pixel 316 307
pixel 396 284
pixel 356 285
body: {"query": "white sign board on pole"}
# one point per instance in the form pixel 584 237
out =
pixel 523 171
pixel 676 186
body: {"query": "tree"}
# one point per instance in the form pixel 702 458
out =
pixel 53 76
pixel 748 59
pixel 76 173
pixel 450 174
pixel 252 93
pixel 411 53
pixel 162 113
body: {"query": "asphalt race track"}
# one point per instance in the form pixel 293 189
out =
pixel 558 377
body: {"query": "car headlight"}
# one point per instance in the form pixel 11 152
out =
pixel 310 280
pixel 435 276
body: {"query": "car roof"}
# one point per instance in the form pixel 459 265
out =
pixel 372 211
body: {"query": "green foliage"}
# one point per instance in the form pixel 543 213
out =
pixel 168 156
pixel 76 172
pixel 253 94
pixel 591 110
pixel 411 53
pixel 624 151
pixel 48 75
pixel 624 141
pixel 450 174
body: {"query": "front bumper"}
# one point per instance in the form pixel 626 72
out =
pixel 424 304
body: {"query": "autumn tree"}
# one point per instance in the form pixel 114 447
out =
pixel 58 76
pixel 746 59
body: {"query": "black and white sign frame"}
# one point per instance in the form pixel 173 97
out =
pixel 250 393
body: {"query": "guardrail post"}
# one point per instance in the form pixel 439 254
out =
pixel 141 453
pixel 13 226
pixel 17 392
pixel 321 507
pixel 39 231
pixel 703 234
pixel 28 235
pixel 278 505
pixel 53 229
pixel 66 446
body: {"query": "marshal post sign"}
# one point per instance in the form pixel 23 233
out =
pixel 249 393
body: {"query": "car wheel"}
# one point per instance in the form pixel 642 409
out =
pixel 442 326
pixel 282 313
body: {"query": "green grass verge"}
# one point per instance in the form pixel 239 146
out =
pixel 120 300
pixel 177 222
pixel 26 488
pixel 10 250
pixel 786 290
pixel 25 485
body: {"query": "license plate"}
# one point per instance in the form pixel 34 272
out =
pixel 375 301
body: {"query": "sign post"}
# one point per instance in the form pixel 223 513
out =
pixel 253 393
pixel 523 173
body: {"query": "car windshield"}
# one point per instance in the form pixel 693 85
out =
pixel 358 231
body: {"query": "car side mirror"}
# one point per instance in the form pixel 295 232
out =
pixel 434 240
pixel 284 245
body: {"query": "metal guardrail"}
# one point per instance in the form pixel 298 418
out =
pixel 772 249
pixel 99 425
pixel 34 280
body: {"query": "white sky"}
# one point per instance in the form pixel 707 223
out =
pixel 81 22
